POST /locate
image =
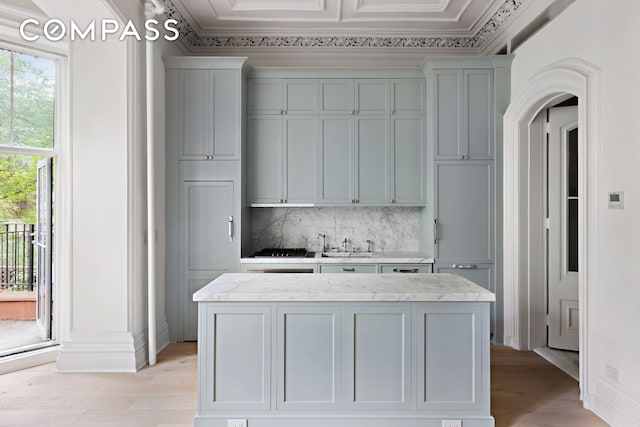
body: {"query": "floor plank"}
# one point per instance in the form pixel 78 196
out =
pixel 526 391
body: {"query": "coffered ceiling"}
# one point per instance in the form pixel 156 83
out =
pixel 434 26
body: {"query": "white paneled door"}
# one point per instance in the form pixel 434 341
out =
pixel 563 228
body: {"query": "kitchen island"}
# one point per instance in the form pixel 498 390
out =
pixel 336 350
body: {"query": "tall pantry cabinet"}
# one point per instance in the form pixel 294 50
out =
pixel 204 140
pixel 467 100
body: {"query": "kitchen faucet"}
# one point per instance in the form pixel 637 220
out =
pixel 324 241
pixel 344 244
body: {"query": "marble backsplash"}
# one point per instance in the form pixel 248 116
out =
pixel 389 228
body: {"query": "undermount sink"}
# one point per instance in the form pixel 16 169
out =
pixel 347 254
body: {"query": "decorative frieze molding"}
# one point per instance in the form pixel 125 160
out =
pixel 193 39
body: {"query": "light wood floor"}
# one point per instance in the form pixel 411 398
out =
pixel 526 391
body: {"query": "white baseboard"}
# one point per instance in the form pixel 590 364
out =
pixel 99 353
pixel 162 335
pixel 28 359
pixel 617 406
pixel 560 361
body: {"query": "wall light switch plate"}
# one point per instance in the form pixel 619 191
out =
pixel 616 200
pixel 451 423
pixel 236 423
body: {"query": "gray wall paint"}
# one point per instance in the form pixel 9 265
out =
pixel 390 228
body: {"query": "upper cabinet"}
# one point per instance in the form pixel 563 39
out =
pixel 407 96
pixel 353 141
pixel 281 164
pixel 463 121
pixel 372 96
pixel 282 96
pixel 209 114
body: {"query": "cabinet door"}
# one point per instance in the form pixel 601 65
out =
pixel 308 357
pixel 226 121
pixel 194 114
pixel 300 96
pixel 407 96
pixel 448 104
pixel 371 96
pixel 300 147
pixel 336 96
pixel 464 211
pixel 372 164
pixel 480 274
pixel 478 89
pixel 408 145
pixel 264 96
pixel 377 357
pixel 336 159
pixel 207 250
pixel 264 159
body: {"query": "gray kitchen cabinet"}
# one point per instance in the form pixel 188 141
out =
pixel 300 147
pixel 464 211
pixel 463 119
pixel 371 96
pixel 209 241
pixel 336 160
pixel 408 171
pixel 406 268
pixel 354 160
pixel 372 167
pixel 407 96
pixel 264 159
pixel 282 96
pixel 204 133
pixel 281 161
pixel 481 274
pixel 209 114
pixel 382 163
pixel 308 357
pixel 378 357
pixel 348 268
pixel 336 96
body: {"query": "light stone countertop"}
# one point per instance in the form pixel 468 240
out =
pixel 310 287
pixel 375 258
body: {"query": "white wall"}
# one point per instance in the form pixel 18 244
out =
pixel 606 35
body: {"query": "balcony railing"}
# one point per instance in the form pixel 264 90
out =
pixel 17 261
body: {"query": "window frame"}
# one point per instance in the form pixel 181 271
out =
pixel 61 198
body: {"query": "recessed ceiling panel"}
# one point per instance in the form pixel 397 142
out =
pixel 415 6
pixel 282 5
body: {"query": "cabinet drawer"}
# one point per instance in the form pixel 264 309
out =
pixel 406 268
pixel 349 268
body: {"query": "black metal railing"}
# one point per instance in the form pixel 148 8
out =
pixel 17 261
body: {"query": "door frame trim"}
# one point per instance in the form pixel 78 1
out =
pixel 579 78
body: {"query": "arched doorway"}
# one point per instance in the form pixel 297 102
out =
pixel 524 303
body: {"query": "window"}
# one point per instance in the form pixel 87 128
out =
pixel 27 100
pixel 27 152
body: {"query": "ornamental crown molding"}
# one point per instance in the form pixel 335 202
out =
pixel 475 42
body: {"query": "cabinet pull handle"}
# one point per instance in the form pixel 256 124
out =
pixel 351 269
pixel 464 266
pixel 436 233
pixel 406 270
pixel 230 228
